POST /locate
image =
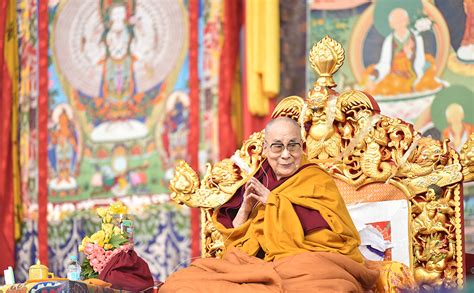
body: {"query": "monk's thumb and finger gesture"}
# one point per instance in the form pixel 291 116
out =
pixel 248 201
pixel 257 190
pixel 245 209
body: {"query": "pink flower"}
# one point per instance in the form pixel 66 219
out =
pixel 94 262
pixel 99 258
pixel 89 248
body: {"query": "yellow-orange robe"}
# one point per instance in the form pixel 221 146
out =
pixel 276 228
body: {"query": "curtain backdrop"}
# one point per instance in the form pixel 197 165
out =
pixel 9 175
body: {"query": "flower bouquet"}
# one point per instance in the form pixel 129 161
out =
pixel 115 236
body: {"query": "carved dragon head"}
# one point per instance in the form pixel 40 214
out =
pixel 430 152
pixel 224 173
pixel 184 183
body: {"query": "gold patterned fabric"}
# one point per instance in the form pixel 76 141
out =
pixel 394 277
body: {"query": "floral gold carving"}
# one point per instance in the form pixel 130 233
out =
pixel 212 242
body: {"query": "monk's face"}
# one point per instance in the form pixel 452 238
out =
pixel 283 147
pixel 399 19
pixel 454 114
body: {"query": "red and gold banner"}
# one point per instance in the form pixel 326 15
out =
pixel 43 133
pixel 9 171
pixel 194 115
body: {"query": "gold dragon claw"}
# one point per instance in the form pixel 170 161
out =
pixel 442 177
pixel 353 101
pixel 290 107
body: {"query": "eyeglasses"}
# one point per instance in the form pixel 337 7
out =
pixel 292 147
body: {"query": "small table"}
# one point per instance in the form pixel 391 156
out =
pixel 57 286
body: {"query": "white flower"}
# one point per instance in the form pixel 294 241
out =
pixel 423 24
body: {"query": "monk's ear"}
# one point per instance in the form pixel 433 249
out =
pixel 265 149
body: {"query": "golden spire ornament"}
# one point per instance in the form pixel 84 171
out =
pixel 326 57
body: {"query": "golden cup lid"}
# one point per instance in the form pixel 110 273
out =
pixel 38 265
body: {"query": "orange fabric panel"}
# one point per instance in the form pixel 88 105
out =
pixel 305 272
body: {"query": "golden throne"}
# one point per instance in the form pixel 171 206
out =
pixel 375 160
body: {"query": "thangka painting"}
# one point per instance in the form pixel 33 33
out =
pixel 27 18
pixel 28 98
pixel 118 96
pixel 415 57
pixel 211 39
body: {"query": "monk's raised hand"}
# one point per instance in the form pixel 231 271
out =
pixel 259 191
pixel 245 208
pixel 248 201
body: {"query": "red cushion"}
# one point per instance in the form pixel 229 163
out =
pixel 127 271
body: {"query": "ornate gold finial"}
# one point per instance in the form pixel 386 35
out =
pixel 326 57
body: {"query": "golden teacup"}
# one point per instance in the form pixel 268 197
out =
pixel 39 272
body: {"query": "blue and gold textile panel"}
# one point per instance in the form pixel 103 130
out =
pixel 161 236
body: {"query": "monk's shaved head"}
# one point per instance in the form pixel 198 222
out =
pixel 274 123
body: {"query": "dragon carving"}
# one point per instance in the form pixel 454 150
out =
pixel 221 180
pixel 427 155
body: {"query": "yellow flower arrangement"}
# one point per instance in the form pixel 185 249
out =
pixel 105 243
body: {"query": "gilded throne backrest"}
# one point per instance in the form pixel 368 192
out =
pixel 373 158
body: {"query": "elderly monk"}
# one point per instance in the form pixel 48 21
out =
pixel 286 230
